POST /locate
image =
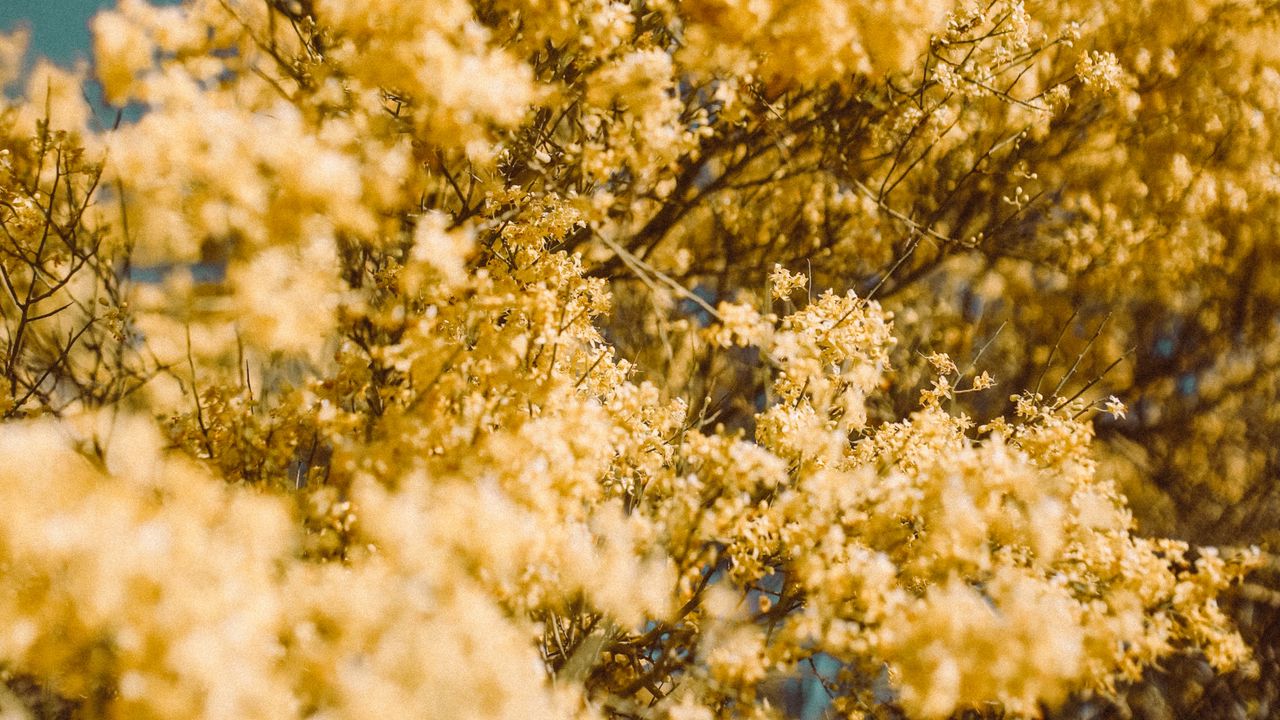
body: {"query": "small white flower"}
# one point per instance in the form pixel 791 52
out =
pixel 1115 407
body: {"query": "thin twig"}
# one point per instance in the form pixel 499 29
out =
pixel 642 269
pixel 1062 383
pixel 1048 363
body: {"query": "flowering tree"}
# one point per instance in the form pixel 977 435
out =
pixel 633 359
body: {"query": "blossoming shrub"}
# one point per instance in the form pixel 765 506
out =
pixel 424 359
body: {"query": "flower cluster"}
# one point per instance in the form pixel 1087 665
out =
pixel 423 357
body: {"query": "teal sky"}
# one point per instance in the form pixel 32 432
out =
pixel 60 29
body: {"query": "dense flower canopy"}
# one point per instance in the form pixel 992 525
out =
pixel 649 359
